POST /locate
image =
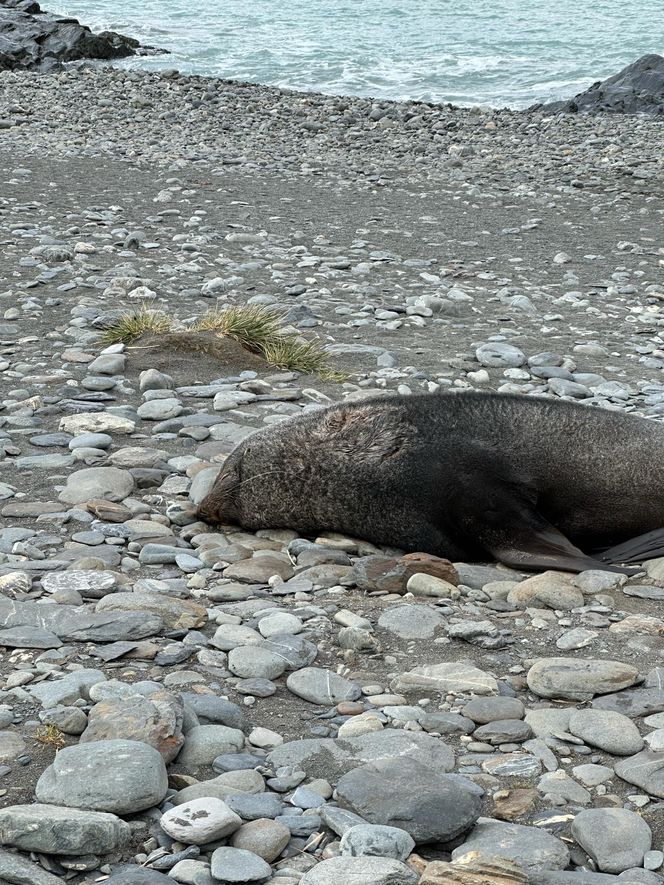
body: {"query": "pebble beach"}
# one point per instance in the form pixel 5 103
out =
pixel 200 705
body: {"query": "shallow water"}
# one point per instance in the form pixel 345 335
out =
pixel 496 52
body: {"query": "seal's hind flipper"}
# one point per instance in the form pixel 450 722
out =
pixel 547 548
pixel 648 546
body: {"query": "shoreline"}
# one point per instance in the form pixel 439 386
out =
pixel 436 141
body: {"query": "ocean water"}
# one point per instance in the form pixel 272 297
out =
pixel 494 52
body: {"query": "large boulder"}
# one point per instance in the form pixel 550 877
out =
pixel 32 39
pixel 636 89
pixel 118 776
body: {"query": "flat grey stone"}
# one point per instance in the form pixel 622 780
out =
pixel 29 637
pixel 404 793
pixel 324 757
pixel 446 677
pixel 296 651
pixel 44 462
pixel 360 871
pixel 11 745
pixel 109 483
pixel 548 721
pixel 645 770
pixel 160 409
pixel 503 731
pixel 484 710
pixel 320 686
pixel 117 776
pixel 68 688
pixel 253 662
pixel 560 785
pixel 232 865
pixel 90 583
pixel 606 729
pixel 530 847
pixel 579 679
pixel 500 354
pixel 411 621
pixel 52 829
pixel 616 839
pixel 204 743
pixel 255 807
pixel 545 877
pixel 108 364
pixel 177 614
pixel 71 623
pixel 634 702
pixel 132 874
pixel 447 723
pixel 210 708
pixel 374 840
pixel 21 871
pixel 644 592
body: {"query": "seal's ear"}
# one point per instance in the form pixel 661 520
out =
pixel 370 434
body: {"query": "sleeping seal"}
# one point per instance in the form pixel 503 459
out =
pixel 468 476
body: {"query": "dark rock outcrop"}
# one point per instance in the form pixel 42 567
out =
pixel 34 40
pixel 637 89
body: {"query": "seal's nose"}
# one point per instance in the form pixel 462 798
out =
pixel 206 512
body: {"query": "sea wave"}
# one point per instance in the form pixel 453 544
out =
pixel 496 52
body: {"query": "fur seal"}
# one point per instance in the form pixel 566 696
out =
pixel 529 481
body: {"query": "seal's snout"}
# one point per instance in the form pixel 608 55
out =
pixel 221 504
pixel 205 512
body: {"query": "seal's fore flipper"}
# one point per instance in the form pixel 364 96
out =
pixel 509 525
pixel 648 546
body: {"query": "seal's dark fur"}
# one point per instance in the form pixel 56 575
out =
pixel 463 475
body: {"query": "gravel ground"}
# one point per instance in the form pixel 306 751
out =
pixel 406 238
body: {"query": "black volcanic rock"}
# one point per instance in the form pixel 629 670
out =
pixel 34 40
pixel 637 89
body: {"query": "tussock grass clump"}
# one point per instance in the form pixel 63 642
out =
pixel 50 736
pixel 257 328
pixel 309 357
pixel 252 325
pixel 260 329
pixel 133 323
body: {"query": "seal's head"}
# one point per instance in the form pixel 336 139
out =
pixel 221 504
pixel 301 473
pixel 257 485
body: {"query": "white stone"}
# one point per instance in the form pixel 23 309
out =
pixel 200 821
